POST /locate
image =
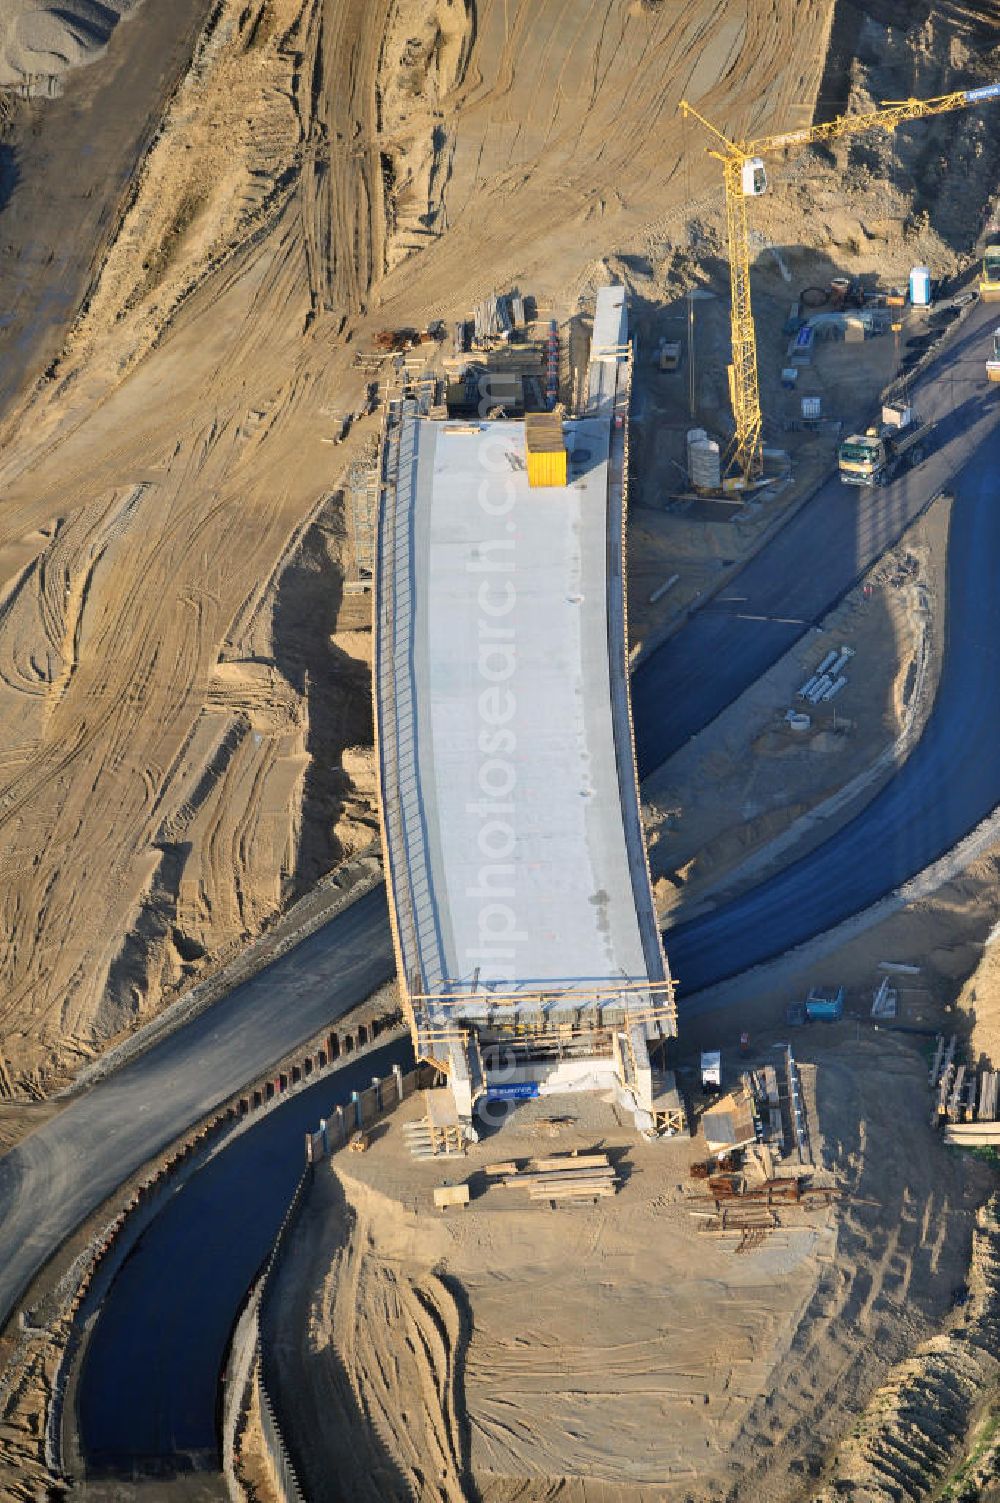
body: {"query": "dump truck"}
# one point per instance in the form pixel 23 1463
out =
pixel 878 455
pixel 989 285
pixel 993 364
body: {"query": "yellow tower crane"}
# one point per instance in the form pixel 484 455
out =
pixel 745 177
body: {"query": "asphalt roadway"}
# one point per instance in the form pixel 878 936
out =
pixel 53 1179
pixel 812 562
pixel 948 784
pixel 50 1182
pixel 149 1384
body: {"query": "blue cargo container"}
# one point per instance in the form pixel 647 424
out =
pixel 824 1004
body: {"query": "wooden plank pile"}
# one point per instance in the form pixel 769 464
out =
pixel 564 1177
pixel 942 1075
pixel 446 1196
pixel 775 1125
pixel 965 1097
pixel 973 1134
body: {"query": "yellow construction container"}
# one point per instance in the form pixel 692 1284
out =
pixel 546 469
pixel 545 448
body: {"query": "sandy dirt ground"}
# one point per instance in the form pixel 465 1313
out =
pixel 946 932
pixel 179 712
pixel 749 793
pixel 616 1352
pixel 868 209
pixel 183 683
pixel 184 704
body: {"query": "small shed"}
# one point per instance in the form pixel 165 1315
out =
pixel 730 1124
pixel 545 446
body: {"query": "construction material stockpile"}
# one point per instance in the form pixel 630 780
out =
pixel 966 1099
pixel 583 1176
pixel 750 1213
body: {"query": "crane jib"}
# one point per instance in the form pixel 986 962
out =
pixel 988 91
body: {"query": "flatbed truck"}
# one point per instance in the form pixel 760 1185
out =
pixel 877 456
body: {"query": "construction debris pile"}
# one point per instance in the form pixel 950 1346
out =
pixel 750 1211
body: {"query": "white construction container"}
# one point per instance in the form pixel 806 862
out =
pixel 920 286
pixel 897 415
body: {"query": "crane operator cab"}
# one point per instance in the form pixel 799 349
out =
pixel 989 286
pixel 993 363
pixel 755 181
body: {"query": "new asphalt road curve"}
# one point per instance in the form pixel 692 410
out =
pixel 950 782
pixel 150 1380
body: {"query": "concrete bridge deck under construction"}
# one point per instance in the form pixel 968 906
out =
pixel 515 861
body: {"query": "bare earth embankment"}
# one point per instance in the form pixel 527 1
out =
pixel 184 704
pixel 178 716
pixel 617 1351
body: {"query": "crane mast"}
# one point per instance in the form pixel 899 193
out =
pixel 744 177
pixel 746 451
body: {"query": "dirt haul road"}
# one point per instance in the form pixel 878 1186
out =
pixel 182 739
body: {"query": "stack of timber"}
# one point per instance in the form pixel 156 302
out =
pixel 938 1061
pixel 973 1134
pixel 964 1097
pixel 776 1127
pixel 491 320
pixel 942 1075
pixel 968 1097
pixel 565 1177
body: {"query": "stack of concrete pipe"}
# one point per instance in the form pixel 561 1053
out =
pixel 828 680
